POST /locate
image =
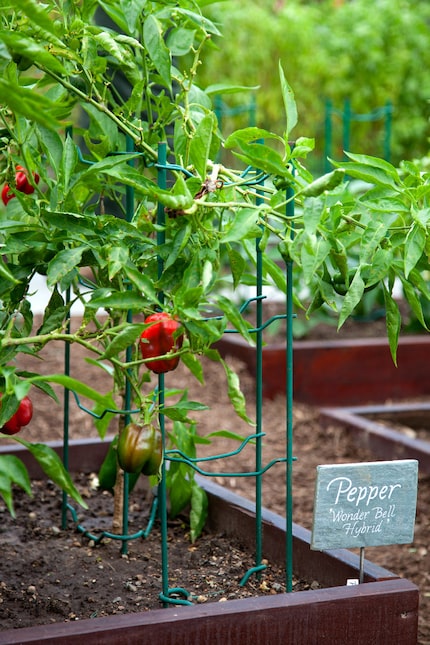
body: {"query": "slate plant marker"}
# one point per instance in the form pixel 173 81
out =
pixel 364 504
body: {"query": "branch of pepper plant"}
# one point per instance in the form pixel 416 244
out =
pixel 133 131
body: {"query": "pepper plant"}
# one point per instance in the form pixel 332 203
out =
pixel 99 100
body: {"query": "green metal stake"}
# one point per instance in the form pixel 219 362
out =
pixel 328 134
pixel 66 416
pixel 387 137
pixel 259 403
pixel 289 411
pixel 162 492
pixel 66 401
pixel 129 208
pixel 346 125
pixel 218 108
pixel 253 111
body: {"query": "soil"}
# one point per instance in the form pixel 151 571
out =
pixel 100 580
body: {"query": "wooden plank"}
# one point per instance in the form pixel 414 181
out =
pixel 382 612
pixel 351 372
pixel 379 439
pixel 85 455
pixel 340 372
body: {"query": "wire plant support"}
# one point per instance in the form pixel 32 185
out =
pixel 178 595
pixel 348 116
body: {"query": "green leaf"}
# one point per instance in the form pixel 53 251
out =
pixel 34 106
pixel 275 272
pixel 54 314
pixel 313 210
pixel 420 282
pixel 381 264
pixel 179 411
pixel 156 47
pixel 233 315
pixel 103 418
pixel 352 298
pixel 249 135
pixel 143 283
pixel 375 162
pixel 43 387
pixel 6 492
pixel 289 103
pixel 302 146
pixel 122 340
pixel 199 510
pixel 63 263
pixel 9 405
pixel 226 88
pixel 263 158
pixel 243 225
pixel 115 48
pixel 200 146
pixel 53 467
pixel 237 265
pixel 33 50
pixel 414 302
pixel 72 384
pixel 40 17
pixel 6 273
pixel 393 322
pixel 68 165
pixel 121 300
pixel 235 394
pixel 179 486
pixel 124 13
pixel 370 169
pixel 12 471
pixel 375 232
pixel 109 468
pixel 117 259
pixel 180 241
pixel 194 365
pixel 226 434
pixel 201 21
pixel 180 40
pixel 110 167
pixel 414 247
pixel 314 252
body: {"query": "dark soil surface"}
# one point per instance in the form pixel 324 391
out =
pixel 52 575
pixel 49 574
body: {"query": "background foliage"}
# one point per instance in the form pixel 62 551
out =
pixel 368 51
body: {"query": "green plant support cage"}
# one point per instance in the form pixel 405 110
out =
pixel 178 595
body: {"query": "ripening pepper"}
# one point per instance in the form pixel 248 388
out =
pixel 160 338
pixel 22 417
pixel 136 445
pixel 152 466
pixel 21 183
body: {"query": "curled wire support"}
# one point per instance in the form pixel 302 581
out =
pixel 97 539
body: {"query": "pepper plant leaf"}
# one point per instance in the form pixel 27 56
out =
pixel 12 471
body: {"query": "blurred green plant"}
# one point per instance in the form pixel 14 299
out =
pixel 367 51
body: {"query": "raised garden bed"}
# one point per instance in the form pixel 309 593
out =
pixel 390 431
pixel 384 609
pixel 340 372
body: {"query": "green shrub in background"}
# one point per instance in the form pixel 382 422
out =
pixel 368 51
